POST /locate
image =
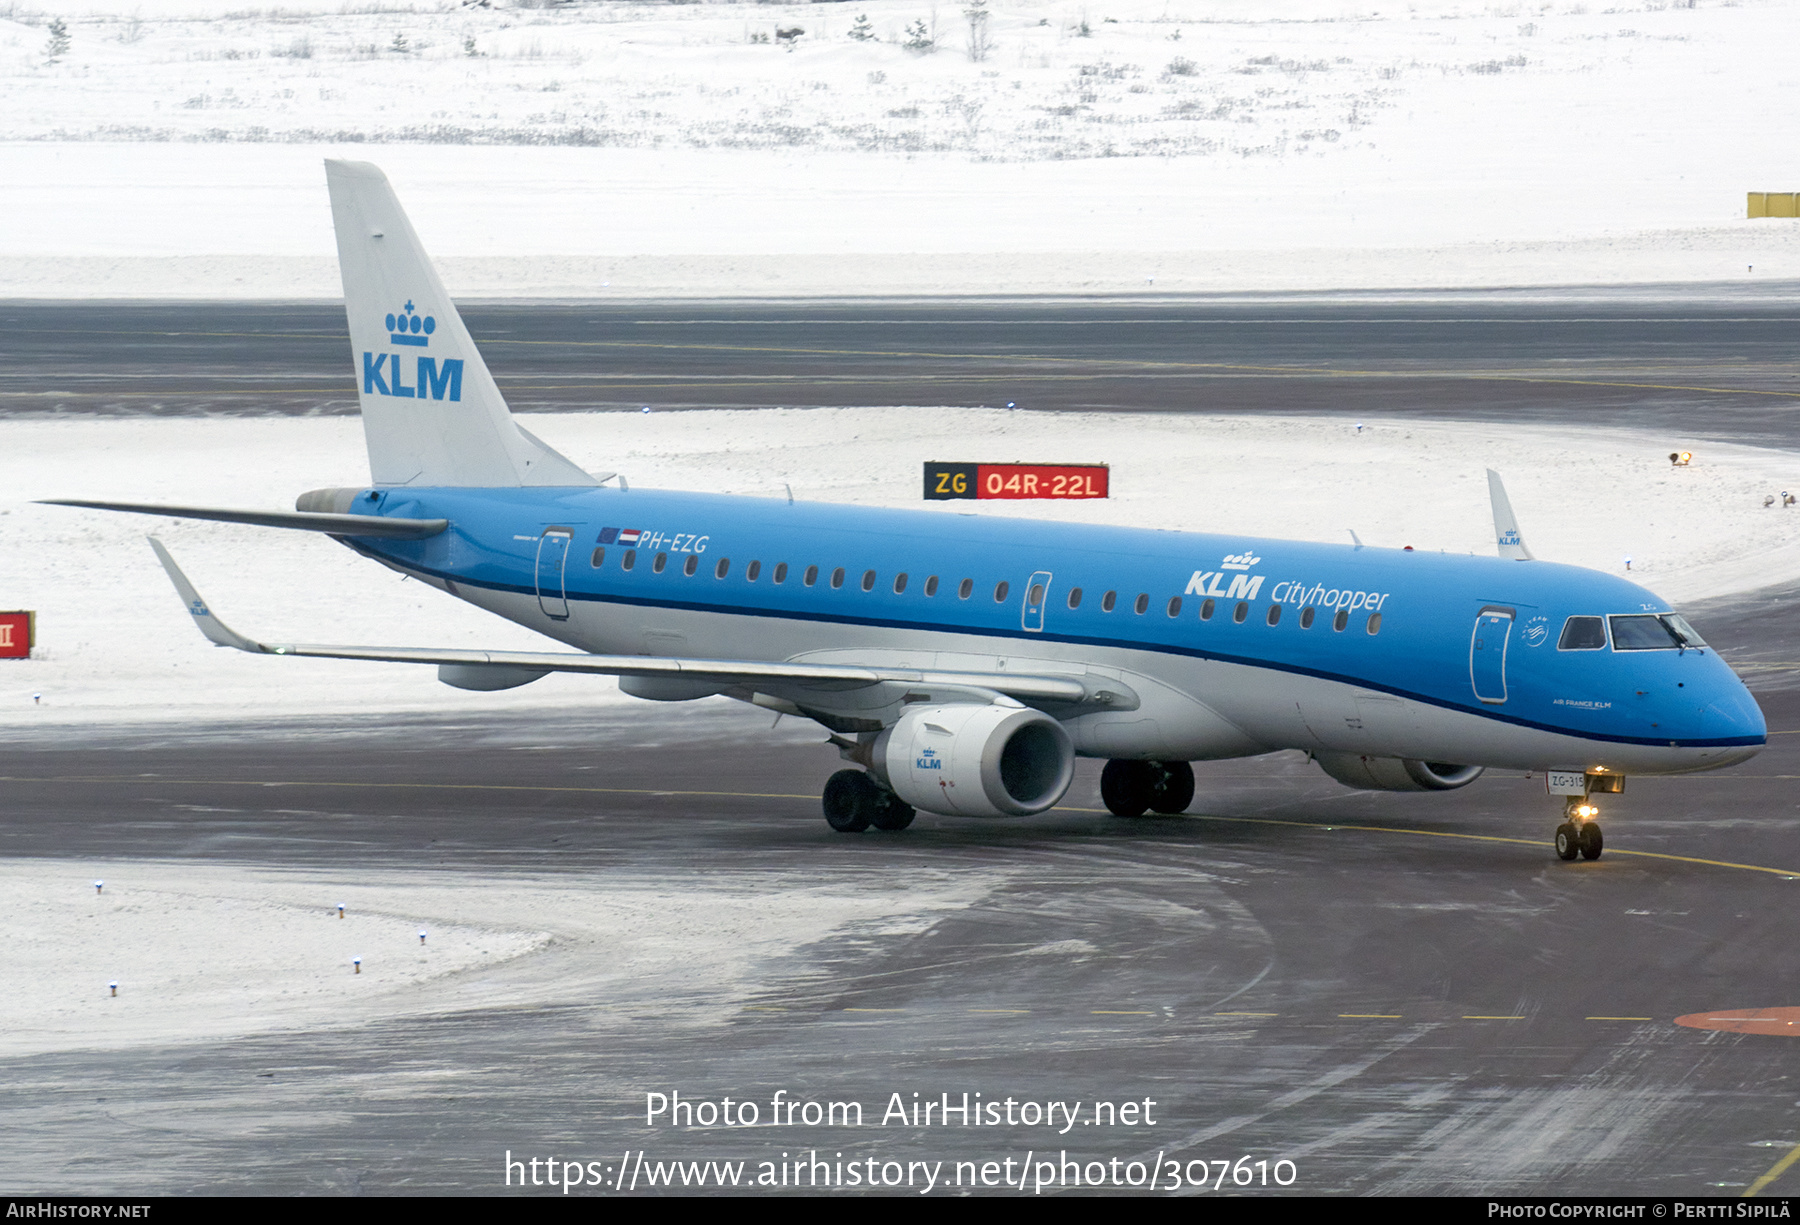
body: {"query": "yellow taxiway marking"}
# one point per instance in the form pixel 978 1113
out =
pixel 1438 833
pixel 1371 1016
pixel 778 795
pixel 1775 1171
pixel 1118 1012
pixel 1618 1018
pixel 1480 1018
pixel 1246 1014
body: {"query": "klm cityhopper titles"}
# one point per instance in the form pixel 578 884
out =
pixel 961 664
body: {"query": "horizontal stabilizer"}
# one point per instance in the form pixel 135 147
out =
pixel 306 521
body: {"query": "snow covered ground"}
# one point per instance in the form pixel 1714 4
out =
pixel 203 951
pixel 1140 146
pixel 116 645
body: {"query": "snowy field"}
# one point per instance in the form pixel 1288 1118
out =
pixel 1132 147
pixel 208 951
pixel 116 645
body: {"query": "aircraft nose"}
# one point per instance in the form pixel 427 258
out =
pixel 1732 716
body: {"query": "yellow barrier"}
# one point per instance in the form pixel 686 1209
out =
pixel 1771 204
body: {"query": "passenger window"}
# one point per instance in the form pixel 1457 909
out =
pixel 1142 604
pixel 1583 634
pixel 1240 612
pixel 837 578
pixel 1206 610
pixel 1175 606
pixel 1374 623
pixel 751 571
pixel 900 583
pixel 965 589
pixel 781 572
pixel 1340 621
pixel 689 566
pixel 1000 590
pixel 599 558
pixel 868 583
pixel 1108 600
pixel 1074 597
pixel 1306 617
pixel 629 560
pixel 662 559
pixel 931 585
pixel 1274 614
pixel 811 576
pixel 723 568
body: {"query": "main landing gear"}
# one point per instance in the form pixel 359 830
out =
pixel 854 801
pixel 1132 788
pixel 1579 834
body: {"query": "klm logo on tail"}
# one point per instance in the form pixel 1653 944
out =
pixel 383 374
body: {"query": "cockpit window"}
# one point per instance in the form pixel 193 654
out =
pixel 1583 634
pixel 1678 623
pixel 1650 633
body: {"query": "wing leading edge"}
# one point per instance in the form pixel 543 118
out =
pixel 1092 692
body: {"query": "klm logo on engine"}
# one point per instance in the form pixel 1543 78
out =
pixel 385 375
pixel 928 760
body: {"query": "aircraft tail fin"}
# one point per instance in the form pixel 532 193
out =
pixel 1506 527
pixel 431 412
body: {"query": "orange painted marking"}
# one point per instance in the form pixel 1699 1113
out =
pixel 1782 1022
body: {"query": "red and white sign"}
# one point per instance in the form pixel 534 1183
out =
pixel 18 631
pixel 1041 480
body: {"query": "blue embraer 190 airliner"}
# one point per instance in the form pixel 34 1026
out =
pixel 962 663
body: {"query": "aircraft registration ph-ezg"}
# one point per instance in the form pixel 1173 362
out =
pixel 962 663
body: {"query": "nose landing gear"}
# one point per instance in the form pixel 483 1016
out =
pixel 1579 834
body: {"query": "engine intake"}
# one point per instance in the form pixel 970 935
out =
pixel 1394 773
pixel 977 761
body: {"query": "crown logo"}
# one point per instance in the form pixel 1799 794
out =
pixel 408 328
pixel 1239 561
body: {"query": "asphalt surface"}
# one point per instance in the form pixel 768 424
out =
pixel 1399 994
pixel 1699 366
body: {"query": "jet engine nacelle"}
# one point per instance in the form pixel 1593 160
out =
pixel 1395 774
pixel 977 761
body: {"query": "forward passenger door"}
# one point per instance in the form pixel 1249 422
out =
pixel 1487 653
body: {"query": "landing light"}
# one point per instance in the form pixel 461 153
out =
pixel 1681 459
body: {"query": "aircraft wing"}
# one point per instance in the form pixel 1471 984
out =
pixel 1093 692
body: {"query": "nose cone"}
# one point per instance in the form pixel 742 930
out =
pixel 1732 723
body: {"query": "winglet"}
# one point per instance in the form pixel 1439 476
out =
pixel 1506 527
pixel 215 629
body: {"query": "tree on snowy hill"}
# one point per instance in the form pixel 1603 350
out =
pixel 862 29
pixel 58 46
pixel 918 38
pixel 981 41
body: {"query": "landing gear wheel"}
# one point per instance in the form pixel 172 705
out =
pixel 1591 840
pixel 892 813
pixel 851 801
pixel 1174 787
pixel 1568 841
pixel 1128 788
